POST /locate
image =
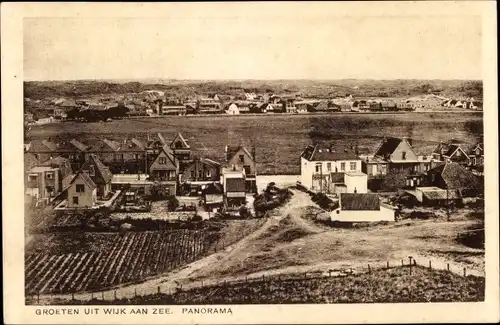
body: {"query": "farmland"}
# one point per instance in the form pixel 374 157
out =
pixel 384 285
pixel 279 139
pixel 62 263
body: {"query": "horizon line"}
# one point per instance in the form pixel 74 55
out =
pixel 250 79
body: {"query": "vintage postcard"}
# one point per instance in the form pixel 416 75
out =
pixel 250 162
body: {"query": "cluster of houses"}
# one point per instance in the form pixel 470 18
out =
pixel 450 172
pixel 80 176
pixel 156 103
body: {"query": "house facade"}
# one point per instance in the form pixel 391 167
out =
pixel 321 164
pixel 82 192
pixel 234 185
pixel 451 151
pixel 43 182
pixel 100 175
pixel 165 169
pixel 241 158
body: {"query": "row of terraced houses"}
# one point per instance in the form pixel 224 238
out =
pixel 87 176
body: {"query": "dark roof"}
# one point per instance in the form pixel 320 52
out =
pixel 105 144
pixel 30 161
pixel 359 201
pixel 337 177
pixel 388 146
pixel 213 189
pixel 321 153
pixel 102 173
pixel 456 176
pixel 447 149
pixel 62 163
pixel 231 151
pixel 86 178
pixel 182 142
pixel 138 143
pixel 44 145
pixel 235 185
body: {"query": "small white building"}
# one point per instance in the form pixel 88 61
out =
pixel 233 109
pixel 362 207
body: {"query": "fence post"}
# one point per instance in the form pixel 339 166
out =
pixel 72 296
pixel 115 294
pixel 135 292
pixel 465 271
pixel 387 264
pixel 246 279
pixel 430 264
pixel 330 273
pixel 305 275
pixel 159 290
pixel 369 269
pixel 91 296
pixel 202 283
pixel 263 277
pixel 402 263
pixel 102 295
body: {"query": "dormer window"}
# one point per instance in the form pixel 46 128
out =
pixel 403 155
pixel 242 158
pixel 162 160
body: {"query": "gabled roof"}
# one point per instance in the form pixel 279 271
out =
pixel 168 152
pixel 62 163
pixel 179 142
pixel 235 185
pixel 448 149
pixel 231 151
pixel 388 146
pixel 138 143
pixel 359 202
pixel 44 145
pixel 102 173
pixel 104 145
pixel 86 178
pixel 210 162
pixel 322 153
pixel 456 177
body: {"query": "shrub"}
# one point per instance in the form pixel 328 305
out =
pixel 172 203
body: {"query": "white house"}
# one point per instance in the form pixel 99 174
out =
pixel 362 207
pixel 233 109
pixel 332 170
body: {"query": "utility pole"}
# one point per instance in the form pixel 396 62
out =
pixel 447 205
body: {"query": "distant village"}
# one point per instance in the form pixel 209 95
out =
pixel 155 103
pixel 70 175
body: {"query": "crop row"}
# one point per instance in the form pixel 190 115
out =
pixel 131 257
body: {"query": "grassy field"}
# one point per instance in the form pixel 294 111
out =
pixel 384 285
pixel 280 139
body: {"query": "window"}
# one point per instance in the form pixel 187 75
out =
pixel 342 166
pixel 171 174
pixel 32 178
pixel 49 176
pixel 329 166
pixel 136 156
pixel 247 170
pixel 200 174
pixel 162 161
pixel 242 158
pixel 192 174
pixel 80 188
pixel 352 165
pixel 403 155
pixel 208 173
pixel 318 168
pixel 75 199
pixel 459 153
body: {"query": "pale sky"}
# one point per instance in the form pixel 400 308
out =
pixel 237 46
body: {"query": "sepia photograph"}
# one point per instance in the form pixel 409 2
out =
pixel 244 154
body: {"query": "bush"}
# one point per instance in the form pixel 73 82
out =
pixel 172 203
pixel 324 201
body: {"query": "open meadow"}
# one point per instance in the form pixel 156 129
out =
pixel 280 139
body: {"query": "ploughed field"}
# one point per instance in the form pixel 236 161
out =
pixel 74 262
pixel 280 139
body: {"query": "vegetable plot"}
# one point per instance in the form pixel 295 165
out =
pixel 132 257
